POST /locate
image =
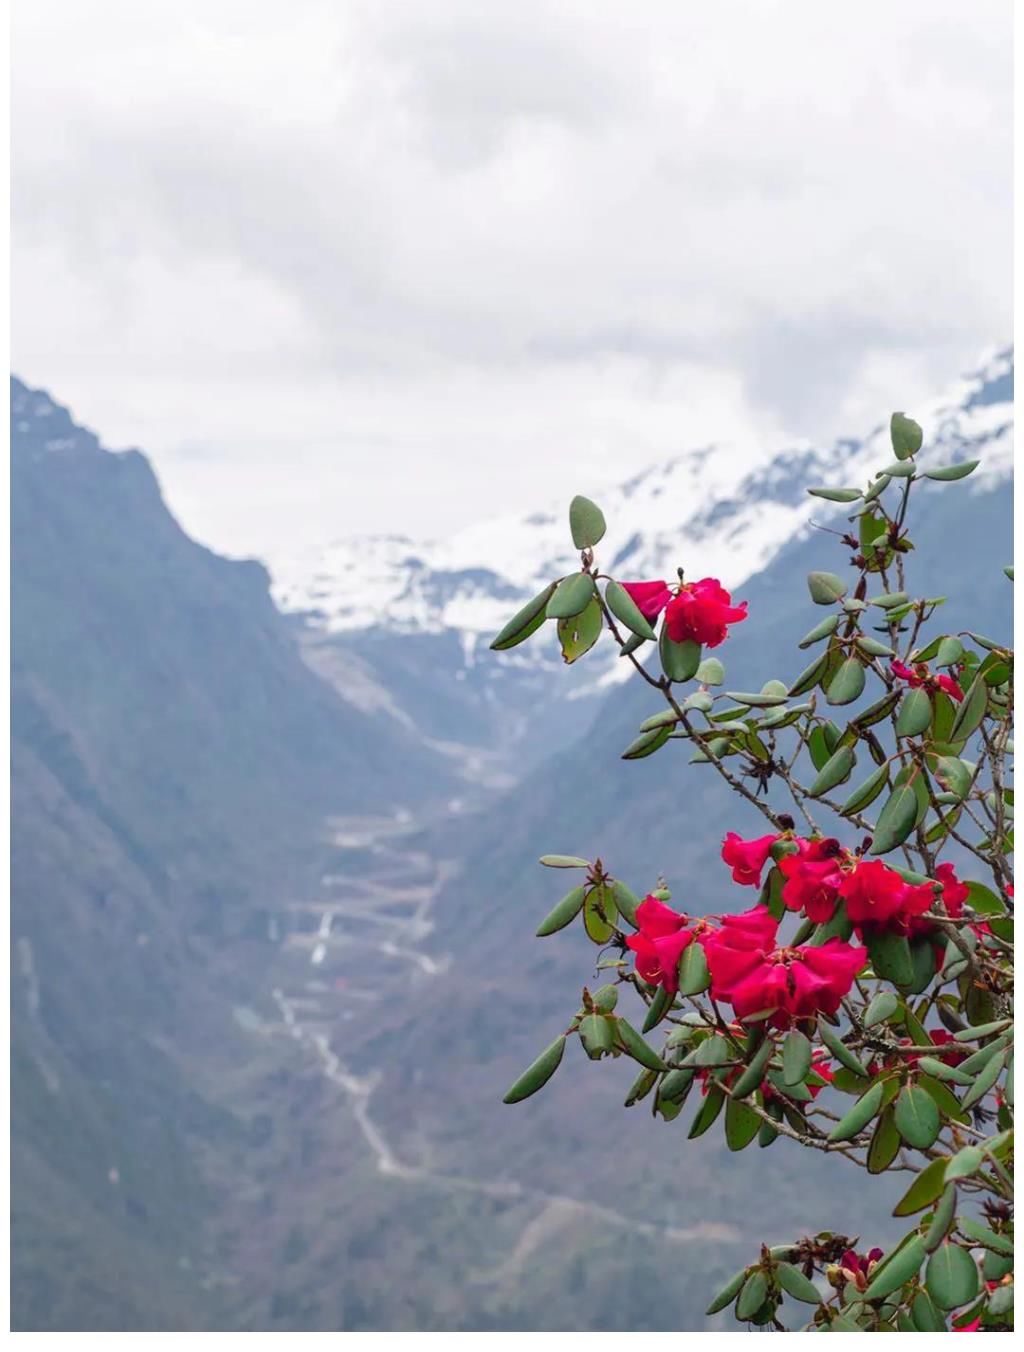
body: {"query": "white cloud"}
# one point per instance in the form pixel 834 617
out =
pixel 369 266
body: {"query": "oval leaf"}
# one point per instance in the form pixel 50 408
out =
pixel 524 622
pixel 563 914
pixel 538 1074
pixel 586 522
pixel 951 1277
pixel 572 596
pixel 626 610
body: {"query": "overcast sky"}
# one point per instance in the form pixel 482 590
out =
pixel 388 266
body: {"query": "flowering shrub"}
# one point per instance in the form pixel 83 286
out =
pixel 862 1006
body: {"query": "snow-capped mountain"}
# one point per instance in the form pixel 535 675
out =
pixel 399 624
pixel 699 510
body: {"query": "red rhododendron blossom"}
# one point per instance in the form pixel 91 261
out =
pixel 877 898
pixel 702 611
pixel 812 878
pixel 659 943
pixel 747 858
pixel 750 971
pixel 954 892
pixel 650 598
pixel 919 675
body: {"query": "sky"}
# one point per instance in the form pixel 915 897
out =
pixel 346 267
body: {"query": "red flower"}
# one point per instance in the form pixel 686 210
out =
pixel 651 598
pixel 951 686
pixel 702 611
pixel 753 974
pixel 659 943
pixel 812 878
pixel 954 892
pixel 877 898
pixel 919 675
pixel 747 857
pixel 856 1267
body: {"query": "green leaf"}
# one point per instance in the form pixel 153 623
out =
pixel 836 769
pixel 839 1049
pixel 563 861
pixel 796 1057
pixel 676 1084
pixel 626 610
pixel 942 1218
pixel 756 700
pixel 924 1190
pixel 940 1071
pixel 752 1296
pixel 955 775
pixel 950 651
pixel 854 1121
pixel 825 588
pixel 885 1144
pixel 897 820
pixel 915 715
pixel 679 661
pixel 599 913
pixel 865 794
pixel 625 902
pixel 871 647
pixel 577 634
pixel 524 622
pixel 876 490
pixel 694 976
pixel 753 1073
pixel 836 494
pixel 945 473
pixel 641 1087
pixel 596 1036
pixel 965 1163
pixel 981 1234
pixel 986 1080
pixel 563 914
pixel 647 743
pixel 638 1048
pixel 657 1009
pixel 951 1277
pixel 889 600
pixel 874 713
pixel 710 672
pixel 906 436
pixel 926 1317
pixel 586 522
pixel 917 1117
pixel 572 596
pixel 810 676
pixel 741 1124
pixel 828 626
pixel 970 713
pixel 728 1293
pixel 847 684
pixel 538 1074
pixel 896 1270
pixel 882 1007
pixel 795 1284
pixel 707 1112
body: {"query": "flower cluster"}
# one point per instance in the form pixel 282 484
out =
pixel 701 611
pixel 758 976
pixel 819 874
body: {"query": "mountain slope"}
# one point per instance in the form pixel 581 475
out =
pixel 173 761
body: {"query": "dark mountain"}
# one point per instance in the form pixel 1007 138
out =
pixel 173 762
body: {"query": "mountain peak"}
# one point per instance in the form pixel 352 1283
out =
pixel 738 516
